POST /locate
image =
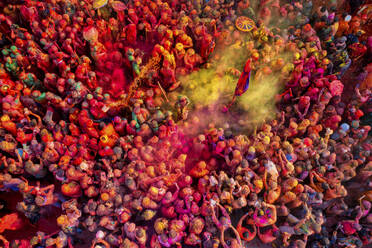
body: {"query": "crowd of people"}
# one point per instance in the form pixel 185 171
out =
pixel 91 123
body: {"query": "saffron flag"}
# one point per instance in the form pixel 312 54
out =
pixel 243 83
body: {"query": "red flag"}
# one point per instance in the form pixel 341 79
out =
pixel 243 83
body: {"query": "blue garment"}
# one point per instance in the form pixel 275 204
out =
pixel 335 136
pixel 289 157
pixel 20 151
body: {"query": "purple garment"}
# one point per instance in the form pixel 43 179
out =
pixel 304 175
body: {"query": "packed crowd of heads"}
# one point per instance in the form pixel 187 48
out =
pixel 89 125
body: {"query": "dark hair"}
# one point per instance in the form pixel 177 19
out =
pixel 325 186
pixel 358 243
